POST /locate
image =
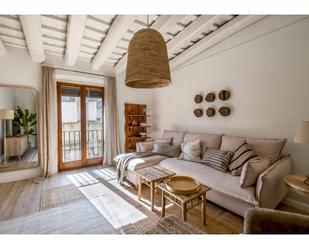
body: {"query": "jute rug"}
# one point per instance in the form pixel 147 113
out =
pixel 59 197
pixel 172 224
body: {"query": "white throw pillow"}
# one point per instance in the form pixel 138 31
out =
pixel 191 151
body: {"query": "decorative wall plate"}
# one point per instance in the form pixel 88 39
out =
pixel 224 95
pixel 198 112
pixel 210 112
pixel 210 97
pixel 224 111
pixel 198 98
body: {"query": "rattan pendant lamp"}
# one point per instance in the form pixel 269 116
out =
pixel 147 64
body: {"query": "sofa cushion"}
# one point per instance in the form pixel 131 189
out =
pixel 251 171
pixel 217 180
pixel 217 159
pixel 267 147
pixel 231 143
pixel 241 155
pixel 144 146
pixel 138 163
pixel 164 140
pixel 176 135
pixel 191 151
pixel 166 150
pixel 207 140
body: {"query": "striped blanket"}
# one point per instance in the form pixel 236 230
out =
pixel 121 163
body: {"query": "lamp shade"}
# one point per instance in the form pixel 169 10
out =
pixel 6 114
pixel 302 133
pixel 147 64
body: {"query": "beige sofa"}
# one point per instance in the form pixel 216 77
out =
pixel 268 192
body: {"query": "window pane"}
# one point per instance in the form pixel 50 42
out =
pixel 71 125
pixel 94 124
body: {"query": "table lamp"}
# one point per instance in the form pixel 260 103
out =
pixel 5 115
pixel 302 137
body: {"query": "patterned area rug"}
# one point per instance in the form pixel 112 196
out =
pixel 172 224
pixel 59 197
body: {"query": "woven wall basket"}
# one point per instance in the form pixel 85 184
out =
pixel 147 65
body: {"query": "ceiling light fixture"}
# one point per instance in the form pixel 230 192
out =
pixel 147 64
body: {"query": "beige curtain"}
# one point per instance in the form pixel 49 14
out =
pixel 111 130
pixel 48 123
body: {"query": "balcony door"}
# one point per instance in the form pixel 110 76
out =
pixel 80 125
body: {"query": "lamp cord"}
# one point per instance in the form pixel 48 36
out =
pixel 147 21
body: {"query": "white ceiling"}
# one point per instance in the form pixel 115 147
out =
pixel 104 39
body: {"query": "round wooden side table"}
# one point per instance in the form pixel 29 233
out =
pixel 296 183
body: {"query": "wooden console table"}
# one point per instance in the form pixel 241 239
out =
pixel 185 202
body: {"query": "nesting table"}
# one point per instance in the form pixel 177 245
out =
pixel 152 176
pixel 185 202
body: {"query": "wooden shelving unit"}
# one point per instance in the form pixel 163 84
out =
pixel 135 114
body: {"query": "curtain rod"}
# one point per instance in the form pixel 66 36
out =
pixel 76 71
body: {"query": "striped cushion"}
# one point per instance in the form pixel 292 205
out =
pixel 217 159
pixel 241 155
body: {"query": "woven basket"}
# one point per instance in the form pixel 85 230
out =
pixel 147 65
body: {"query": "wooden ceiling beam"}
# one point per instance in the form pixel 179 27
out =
pixel 3 50
pixel 233 26
pixel 161 24
pixel 193 30
pixel 116 31
pixel 75 33
pixel 32 29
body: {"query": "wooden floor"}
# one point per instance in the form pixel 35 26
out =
pixel 28 160
pixel 23 198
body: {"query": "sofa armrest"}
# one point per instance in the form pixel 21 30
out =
pixel 270 187
pixel 144 146
pixel 268 221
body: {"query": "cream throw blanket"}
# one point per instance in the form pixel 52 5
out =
pixel 122 161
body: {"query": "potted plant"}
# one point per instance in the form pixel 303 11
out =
pixel 25 120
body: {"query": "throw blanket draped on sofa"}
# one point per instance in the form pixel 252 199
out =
pixel 122 161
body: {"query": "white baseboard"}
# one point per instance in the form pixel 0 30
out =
pixel 19 175
pixel 296 204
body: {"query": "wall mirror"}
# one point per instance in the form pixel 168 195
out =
pixel 18 128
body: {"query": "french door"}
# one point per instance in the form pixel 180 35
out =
pixel 80 125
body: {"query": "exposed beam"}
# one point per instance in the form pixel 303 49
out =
pixel 3 50
pixel 161 24
pixel 75 33
pixel 32 28
pixel 191 31
pixel 119 27
pixel 235 25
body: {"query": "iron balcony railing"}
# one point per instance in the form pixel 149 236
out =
pixel 71 145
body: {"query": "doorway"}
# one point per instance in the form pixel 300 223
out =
pixel 80 125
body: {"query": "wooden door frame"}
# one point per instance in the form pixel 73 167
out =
pixel 84 162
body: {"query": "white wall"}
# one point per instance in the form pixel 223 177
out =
pixel 136 96
pixel 18 69
pixel 269 79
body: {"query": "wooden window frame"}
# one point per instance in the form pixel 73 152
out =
pixel 84 162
